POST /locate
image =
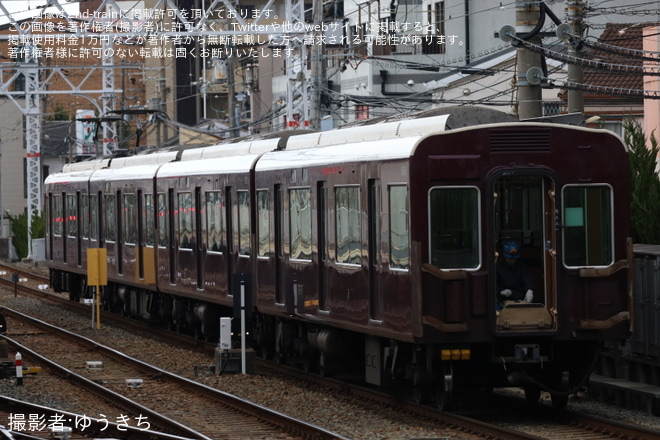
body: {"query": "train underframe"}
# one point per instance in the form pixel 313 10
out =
pixel 426 372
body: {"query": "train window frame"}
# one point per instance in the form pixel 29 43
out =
pixel 163 241
pixel 243 230
pixel 84 216
pixel 94 217
pixel 129 220
pixel 394 265
pixel 72 215
pixel 302 224
pixel 215 224
pixel 110 211
pixel 570 219
pixel 58 224
pixel 149 215
pixel 184 222
pixel 477 239
pixel 264 244
pixel 349 260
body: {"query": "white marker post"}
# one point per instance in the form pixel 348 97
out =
pixel 19 369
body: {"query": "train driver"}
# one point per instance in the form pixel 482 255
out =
pixel 514 282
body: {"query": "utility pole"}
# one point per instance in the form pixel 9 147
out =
pixel 529 95
pixel 318 66
pixel 297 114
pixel 574 11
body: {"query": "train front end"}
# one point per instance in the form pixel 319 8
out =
pixel 561 195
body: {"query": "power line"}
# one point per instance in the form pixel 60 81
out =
pixel 594 64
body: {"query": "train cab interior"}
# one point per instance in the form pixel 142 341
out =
pixel 524 213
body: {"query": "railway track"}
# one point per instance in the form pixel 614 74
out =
pixel 192 409
pixel 564 425
pixel 492 414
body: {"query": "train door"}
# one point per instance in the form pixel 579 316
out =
pixel 230 237
pixel 375 303
pixel 322 231
pixel 50 225
pixel 525 222
pixel 198 238
pixel 171 237
pixel 79 235
pixel 140 234
pixel 119 248
pixel 279 252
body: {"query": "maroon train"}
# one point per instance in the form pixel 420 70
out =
pixel 370 248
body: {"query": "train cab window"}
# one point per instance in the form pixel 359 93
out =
pixel 300 220
pixel 110 220
pixel 349 227
pixel 71 216
pixel 399 227
pixel 162 220
pixel 244 247
pixel 149 226
pixel 58 220
pixel 454 227
pixel 185 215
pixel 215 228
pixel 588 225
pixel 130 214
pixel 263 224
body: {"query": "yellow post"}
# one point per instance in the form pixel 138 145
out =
pixel 97 275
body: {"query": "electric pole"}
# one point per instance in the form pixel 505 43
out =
pixel 318 72
pixel 574 11
pixel 529 95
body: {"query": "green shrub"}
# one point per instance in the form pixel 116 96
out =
pixel 645 184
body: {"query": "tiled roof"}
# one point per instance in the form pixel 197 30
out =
pixel 626 36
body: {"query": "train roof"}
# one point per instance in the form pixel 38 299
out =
pixel 386 149
pixel 125 173
pixel 143 159
pixel 70 177
pixel 379 131
pixel 218 165
pixel 86 165
pixel 228 150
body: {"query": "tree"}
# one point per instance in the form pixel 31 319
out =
pixel 645 184
pixel 19 231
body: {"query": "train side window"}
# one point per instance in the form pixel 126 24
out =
pixel 399 227
pixel 185 214
pixel 162 220
pixel 588 225
pixel 454 225
pixel 94 217
pixel 215 228
pixel 244 247
pixel 71 216
pixel 264 248
pixel 348 224
pixel 129 220
pixel 84 215
pixel 110 217
pixel 149 226
pixel 300 221
pixel 58 221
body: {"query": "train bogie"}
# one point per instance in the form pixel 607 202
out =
pixel 375 249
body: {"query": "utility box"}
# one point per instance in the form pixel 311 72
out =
pixel 229 361
pixel 225 333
